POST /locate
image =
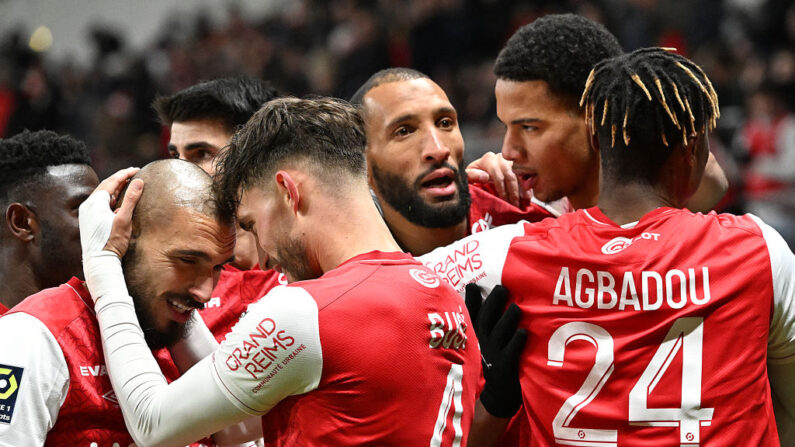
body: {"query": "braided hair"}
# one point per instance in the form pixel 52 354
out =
pixel 656 98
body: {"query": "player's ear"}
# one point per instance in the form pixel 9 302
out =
pixel 593 139
pixel 22 222
pixel 287 185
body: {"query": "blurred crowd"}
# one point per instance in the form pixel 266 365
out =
pixel 747 47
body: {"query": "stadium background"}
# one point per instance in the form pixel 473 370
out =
pixel 92 67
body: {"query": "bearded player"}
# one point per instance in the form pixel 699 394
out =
pixel 332 350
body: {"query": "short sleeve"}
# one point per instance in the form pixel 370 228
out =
pixel 479 258
pixel 34 380
pixel 273 352
pixel 781 343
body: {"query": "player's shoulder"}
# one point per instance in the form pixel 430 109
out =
pixel 57 308
pixel 366 277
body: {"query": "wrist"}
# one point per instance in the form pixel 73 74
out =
pixel 500 405
pixel 104 275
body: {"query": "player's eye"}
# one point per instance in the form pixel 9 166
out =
pixel 446 123
pixel 402 131
pixel 189 261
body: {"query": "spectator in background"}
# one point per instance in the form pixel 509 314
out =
pixel 769 136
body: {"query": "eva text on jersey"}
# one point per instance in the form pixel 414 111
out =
pixel 606 290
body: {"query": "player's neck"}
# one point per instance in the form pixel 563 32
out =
pixel 17 279
pixel 628 202
pixel 350 229
pixel 588 193
pixel 417 239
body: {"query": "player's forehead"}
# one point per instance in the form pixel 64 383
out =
pixel 526 99
pixel 252 200
pixel 211 131
pixel 192 230
pixel 70 180
pixel 415 97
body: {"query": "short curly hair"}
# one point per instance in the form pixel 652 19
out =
pixel 559 49
pixel 231 101
pixel 25 157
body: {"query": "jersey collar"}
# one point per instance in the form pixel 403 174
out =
pixel 79 287
pixel 596 216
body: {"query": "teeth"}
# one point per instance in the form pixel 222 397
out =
pixel 179 307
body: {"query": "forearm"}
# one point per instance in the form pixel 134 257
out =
pixel 156 413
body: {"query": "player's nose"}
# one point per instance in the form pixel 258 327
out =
pixel 435 149
pixel 202 289
pixel 511 149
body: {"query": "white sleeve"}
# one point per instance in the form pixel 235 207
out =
pixel 34 380
pixel 156 413
pixel 781 342
pixel 273 352
pixel 478 258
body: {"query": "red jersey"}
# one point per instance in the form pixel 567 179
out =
pixel 236 289
pixel 85 408
pixel 3 309
pixel 378 351
pixel 653 333
pixel 489 211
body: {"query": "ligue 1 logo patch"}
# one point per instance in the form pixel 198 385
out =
pixel 10 379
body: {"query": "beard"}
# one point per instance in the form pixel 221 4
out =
pixel 291 257
pixel 143 297
pixel 405 198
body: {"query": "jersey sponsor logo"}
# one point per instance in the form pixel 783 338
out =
pixel 461 265
pixel 111 397
pixel 10 380
pixel 93 370
pixel 605 291
pixel 260 350
pixel 619 244
pixel 448 330
pixel 424 278
pixel 482 224
pixel 213 302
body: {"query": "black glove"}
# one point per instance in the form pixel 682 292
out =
pixel 501 344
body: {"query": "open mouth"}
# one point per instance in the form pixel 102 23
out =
pixel 440 182
pixel 180 312
pixel 527 181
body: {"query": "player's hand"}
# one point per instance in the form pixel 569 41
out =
pixel 493 168
pixel 102 229
pixel 501 344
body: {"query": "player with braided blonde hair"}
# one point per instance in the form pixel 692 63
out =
pixel 647 324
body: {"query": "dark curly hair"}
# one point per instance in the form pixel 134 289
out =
pixel 25 157
pixel 229 100
pixel 643 103
pixel 559 49
pixel 323 135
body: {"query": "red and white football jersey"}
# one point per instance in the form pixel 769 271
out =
pixel 488 210
pixel 61 394
pixel 236 289
pixel 652 333
pixel 378 351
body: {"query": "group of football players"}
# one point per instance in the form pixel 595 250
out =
pixel 329 272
